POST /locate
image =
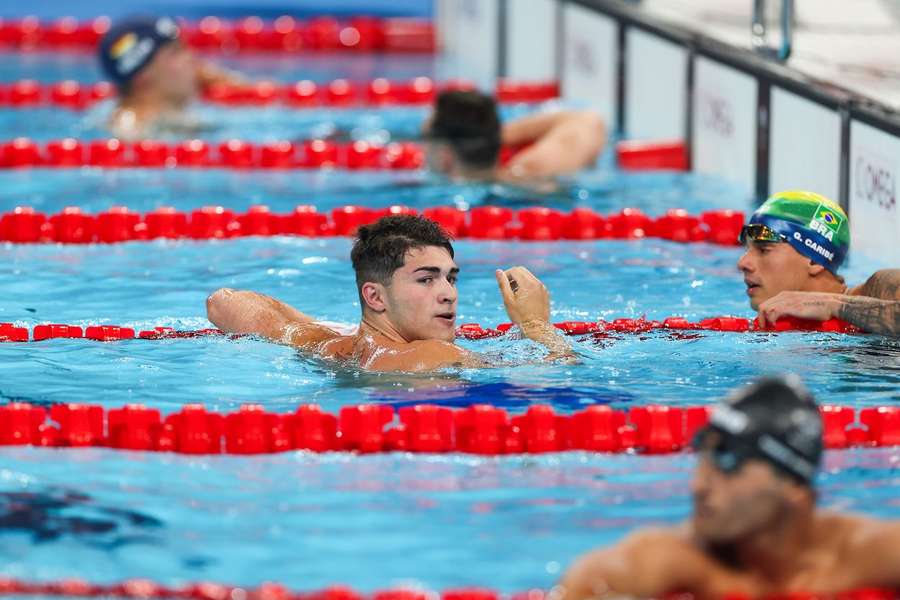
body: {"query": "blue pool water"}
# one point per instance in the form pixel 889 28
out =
pixel 371 522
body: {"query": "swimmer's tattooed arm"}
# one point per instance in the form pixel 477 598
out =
pixel 875 305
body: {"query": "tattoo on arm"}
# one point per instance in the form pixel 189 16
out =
pixel 884 285
pixel 872 314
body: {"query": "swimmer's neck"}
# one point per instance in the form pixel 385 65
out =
pixel 377 325
pixel 828 283
pixel 146 102
pixel 781 551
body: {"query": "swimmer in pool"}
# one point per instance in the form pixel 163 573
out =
pixel 795 243
pixel 406 280
pixel 464 136
pixel 755 529
pixel 156 76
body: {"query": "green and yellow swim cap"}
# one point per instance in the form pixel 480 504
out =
pixel 815 226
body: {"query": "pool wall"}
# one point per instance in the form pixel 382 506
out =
pixel 756 122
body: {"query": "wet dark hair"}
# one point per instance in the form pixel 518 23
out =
pixel 380 248
pixel 468 121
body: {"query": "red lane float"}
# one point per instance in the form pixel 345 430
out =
pixel 669 155
pixel 145 588
pixel 302 94
pixel 9 332
pixel 250 34
pixel 370 428
pixel 118 224
pixel 230 154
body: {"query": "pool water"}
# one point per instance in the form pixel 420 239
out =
pixel 313 520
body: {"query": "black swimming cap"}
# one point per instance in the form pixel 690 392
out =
pixel 775 420
pixel 131 44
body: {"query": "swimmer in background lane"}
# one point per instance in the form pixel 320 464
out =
pixel 796 242
pixel 464 137
pixel 406 280
pixel 157 77
pixel 755 529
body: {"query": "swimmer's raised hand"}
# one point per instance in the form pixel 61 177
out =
pixel 526 299
pixel 528 306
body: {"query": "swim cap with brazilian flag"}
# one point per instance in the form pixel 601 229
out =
pixel 815 226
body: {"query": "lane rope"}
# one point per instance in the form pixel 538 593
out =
pixel 146 588
pixel 339 93
pixel 679 326
pixel 119 224
pixel 374 428
pixel 247 35
pixel 70 153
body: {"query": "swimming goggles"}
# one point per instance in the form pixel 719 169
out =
pixel 757 232
pixel 727 454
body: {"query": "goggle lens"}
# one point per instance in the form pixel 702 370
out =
pixel 757 232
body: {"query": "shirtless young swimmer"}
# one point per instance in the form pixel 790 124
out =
pixel 755 530
pixel 406 278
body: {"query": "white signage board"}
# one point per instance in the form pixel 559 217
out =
pixel 804 145
pixel 874 214
pixel 655 87
pixel 470 38
pixel 531 32
pixel 590 56
pixel 724 123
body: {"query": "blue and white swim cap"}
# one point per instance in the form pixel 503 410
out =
pixel 131 44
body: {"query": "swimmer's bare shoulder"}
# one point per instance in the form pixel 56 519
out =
pixel 647 564
pixel 421 355
pixel 867 549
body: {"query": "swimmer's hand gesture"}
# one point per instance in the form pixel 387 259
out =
pixel 527 303
pixel 526 298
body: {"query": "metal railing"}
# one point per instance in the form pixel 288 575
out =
pixel 759 33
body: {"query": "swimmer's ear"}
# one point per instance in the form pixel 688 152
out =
pixel 815 269
pixel 374 297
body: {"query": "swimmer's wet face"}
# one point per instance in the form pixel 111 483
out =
pixel 756 460
pixel 420 299
pixel 172 73
pixel 405 274
pixel 745 497
pixel 770 268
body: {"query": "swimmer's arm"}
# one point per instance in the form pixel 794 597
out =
pixel 209 74
pixel 646 564
pixel 238 311
pixel 875 305
pixel 560 142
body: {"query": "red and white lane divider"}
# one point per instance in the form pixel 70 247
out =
pixel 373 428
pixel 250 34
pixel 145 588
pixel 302 94
pixel 9 332
pixel 119 224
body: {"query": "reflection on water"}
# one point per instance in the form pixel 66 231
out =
pixel 50 514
